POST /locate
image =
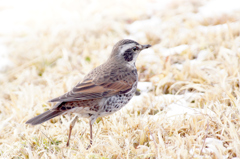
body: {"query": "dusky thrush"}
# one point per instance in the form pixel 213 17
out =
pixel 105 90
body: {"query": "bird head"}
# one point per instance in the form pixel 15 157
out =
pixel 127 51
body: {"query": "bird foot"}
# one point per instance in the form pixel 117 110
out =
pixel 89 146
pixel 67 144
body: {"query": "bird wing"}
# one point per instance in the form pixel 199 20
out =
pixel 88 89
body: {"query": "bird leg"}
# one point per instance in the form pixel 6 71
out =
pixel 89 146
pixel 71 127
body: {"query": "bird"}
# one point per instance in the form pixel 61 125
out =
pixel 103 91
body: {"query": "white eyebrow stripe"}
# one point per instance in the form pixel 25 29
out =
pixel 125 47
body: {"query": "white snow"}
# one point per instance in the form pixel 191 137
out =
pixel 149 56
pixel 145 86
pixel 216 7
pixel 139 28
pixel 212 145
pixel 174 50
pixel 5 63
pixel 203 55
pixel 183 111
pixel 176 107
pixel 142 25
pixel 218 28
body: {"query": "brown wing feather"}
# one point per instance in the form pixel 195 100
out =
pixel 104 81
pixel 90 90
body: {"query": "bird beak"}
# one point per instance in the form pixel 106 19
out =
pixel 145 46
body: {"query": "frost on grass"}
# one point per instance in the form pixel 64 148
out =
pixel 187 104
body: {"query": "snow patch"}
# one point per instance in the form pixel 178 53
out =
pixel 5 63
pixel 216 7
pixel 139 28
pixel 173 51
pixel 144 86
pixel 149 56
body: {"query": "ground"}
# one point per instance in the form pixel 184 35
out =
pixel 189 99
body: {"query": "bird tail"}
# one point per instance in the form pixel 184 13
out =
pixel 44 117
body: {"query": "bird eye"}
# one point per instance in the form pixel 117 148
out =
pixel 135 48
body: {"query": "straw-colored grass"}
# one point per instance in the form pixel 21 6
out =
pixel 192 110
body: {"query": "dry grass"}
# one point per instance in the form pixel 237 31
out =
pixel 191 112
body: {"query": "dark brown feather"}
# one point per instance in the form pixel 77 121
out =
pixel 44 117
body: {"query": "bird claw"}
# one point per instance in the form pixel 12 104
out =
pixel 67 144
pixel 89 146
